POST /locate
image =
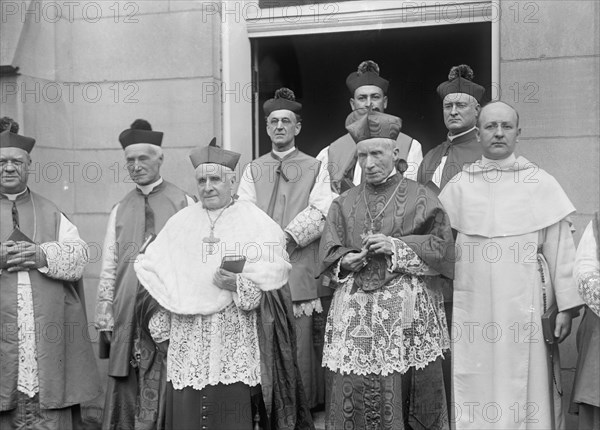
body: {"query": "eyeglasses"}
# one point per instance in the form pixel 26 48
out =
pixel 274 122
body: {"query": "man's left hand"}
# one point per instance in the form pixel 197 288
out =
pixel 225 280
pixel 378 244
pixel 563 326
pixel 26 256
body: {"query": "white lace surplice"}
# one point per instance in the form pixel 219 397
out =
pixel 398 326
pixel 66 260
pixel 218 348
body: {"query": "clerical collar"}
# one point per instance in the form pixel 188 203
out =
pixel 499 164
pixel 147 189
pixel 282 154
pixel 394 171
pixel 452 137
pixel 13 197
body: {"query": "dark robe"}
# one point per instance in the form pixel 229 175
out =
pixel 283 395
pixel 135 392
pixel 585 398
pixel 67 369
pixel 283 197
pixel 415 216
pixel 287 196
pixel 462 150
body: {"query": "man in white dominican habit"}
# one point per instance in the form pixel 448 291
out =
pixel 294 190
pixel 516 261
pixel 230 366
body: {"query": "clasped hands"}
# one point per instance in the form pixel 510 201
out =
pixel 372 244
pixel 19 256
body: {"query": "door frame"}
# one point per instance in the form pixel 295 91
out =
pixel 252 22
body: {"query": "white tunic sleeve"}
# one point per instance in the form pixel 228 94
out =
pixel 246 190
pixel 559 251
pixel 414 159
pixel 587 270
pixel 108 274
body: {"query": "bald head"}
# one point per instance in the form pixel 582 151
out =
pixel 490 104
pixel 498 130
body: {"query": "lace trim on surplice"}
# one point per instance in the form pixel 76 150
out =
pixel 398 326
pixel 218 348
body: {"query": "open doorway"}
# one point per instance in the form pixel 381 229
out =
pixel 414 60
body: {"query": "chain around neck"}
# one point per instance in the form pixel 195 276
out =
pixel 373 218
pixel 210 220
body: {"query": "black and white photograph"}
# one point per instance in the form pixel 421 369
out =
pixel 300 214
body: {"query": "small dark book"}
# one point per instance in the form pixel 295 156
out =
pixel 549 324
pixel 233 263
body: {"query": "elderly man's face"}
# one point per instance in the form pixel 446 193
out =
pixel 460 112
pixel 14 170
pixel 143 163
pixel 377 158
pixel 369 96
pixel 498 131
pixel 215 183
pixel 282 128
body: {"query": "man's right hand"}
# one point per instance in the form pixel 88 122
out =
pixel 5 249
pixel 354 261
pixel 106 336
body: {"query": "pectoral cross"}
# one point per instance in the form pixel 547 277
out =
pixel 368 232
pixel 211 241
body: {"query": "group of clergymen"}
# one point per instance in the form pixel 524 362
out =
pixel 338 286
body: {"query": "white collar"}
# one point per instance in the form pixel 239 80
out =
pixel 451 137
pixel 13 197
pixel 499 164
pixel 147 189
pixel 284 153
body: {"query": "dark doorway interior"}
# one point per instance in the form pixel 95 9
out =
pixel 414 60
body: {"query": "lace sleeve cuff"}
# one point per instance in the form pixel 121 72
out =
pixel 160 325
pixel 104 305
pixel 248 294
pixel 307 226
pixel 307 308
pixel 589 290
pixel 66 260
pixel 404 259
pixel 104 316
